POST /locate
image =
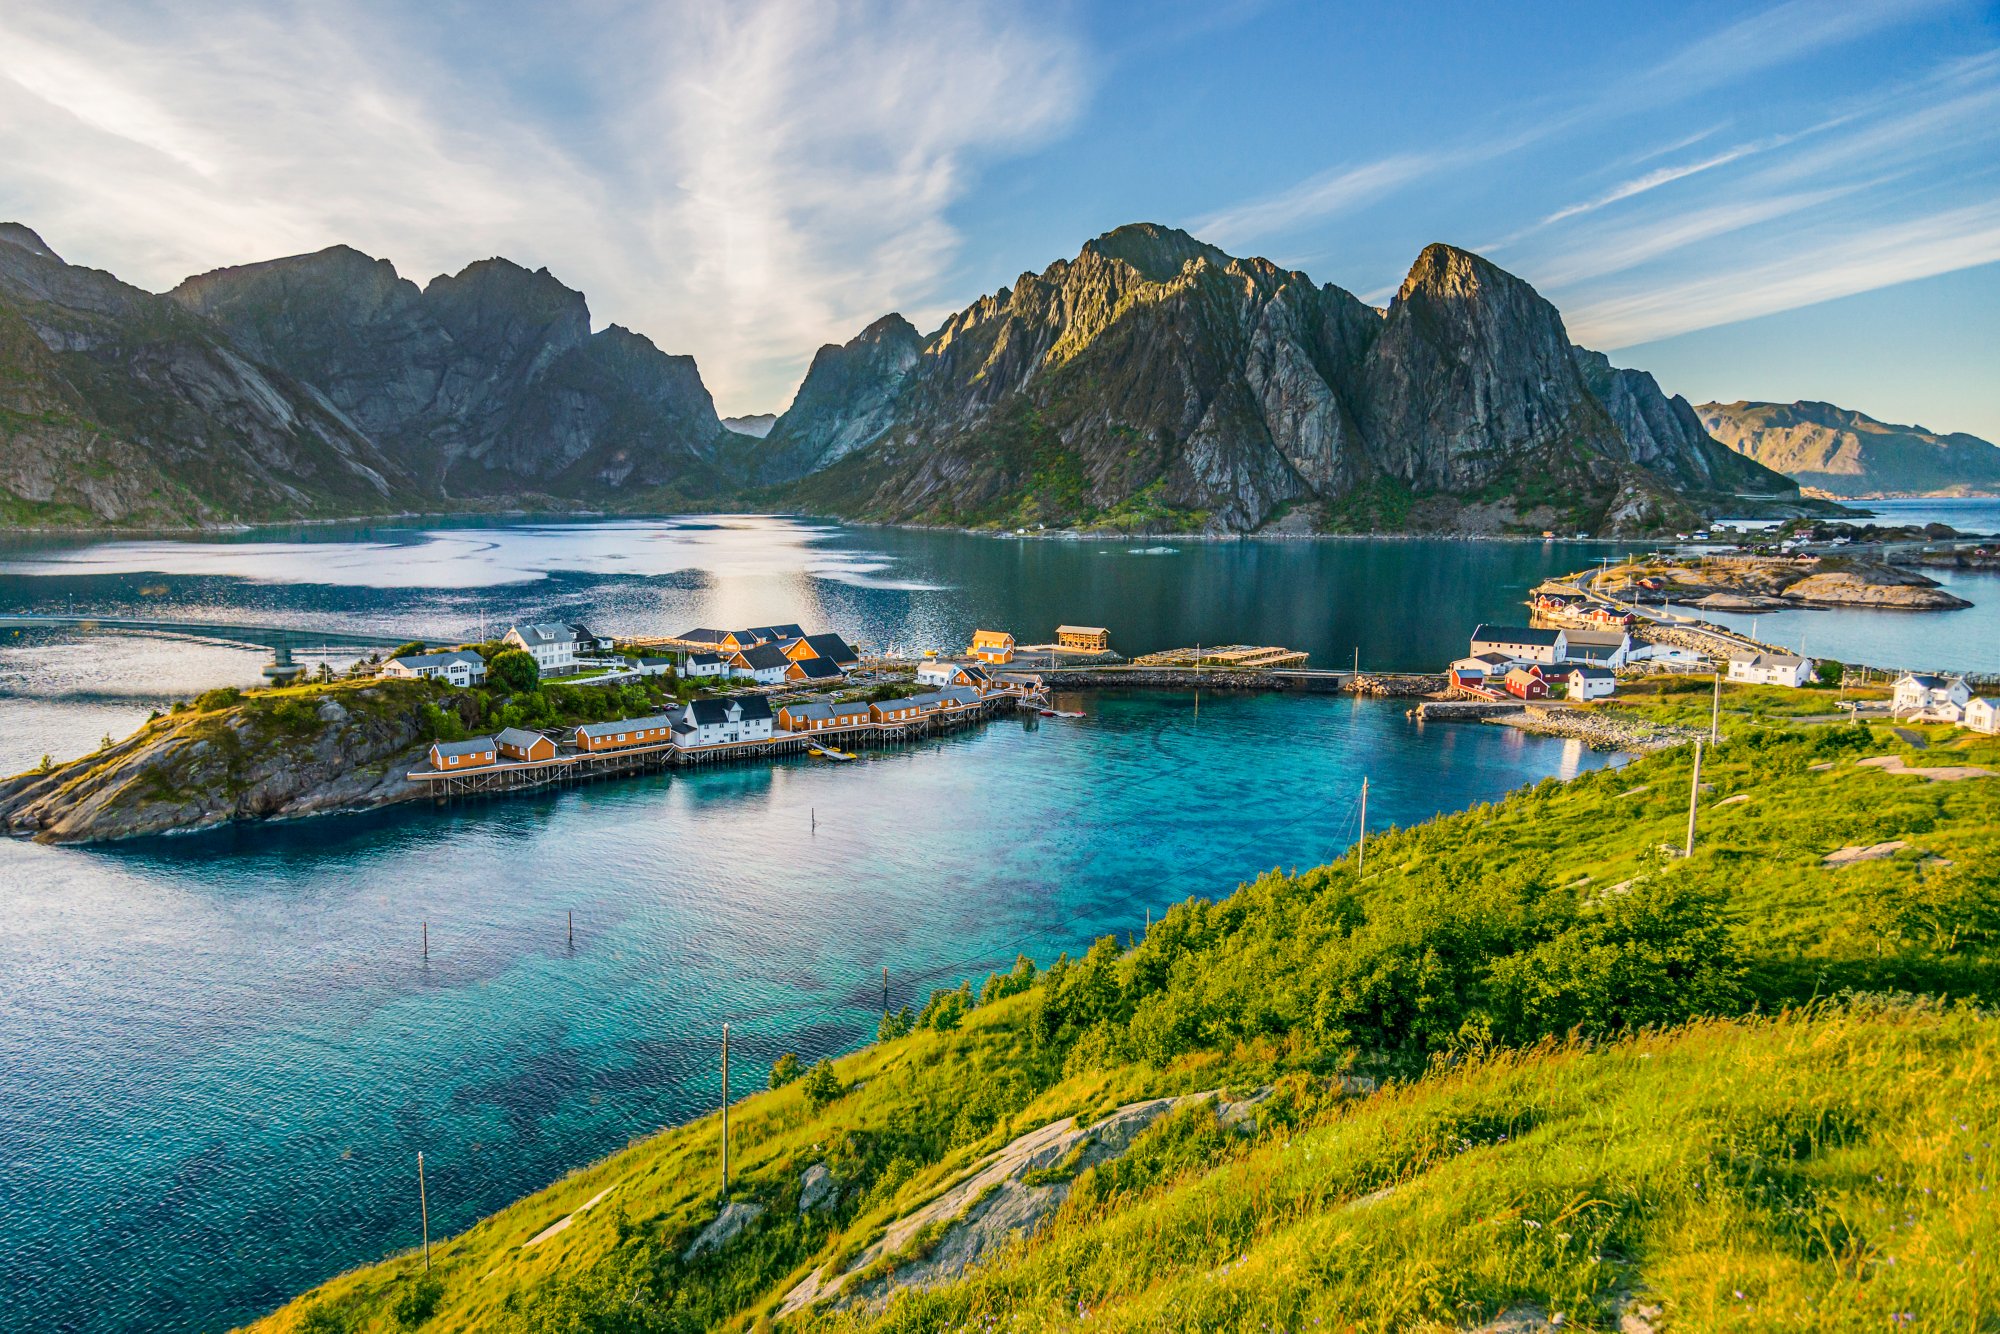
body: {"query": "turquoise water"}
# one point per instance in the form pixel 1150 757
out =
pixel 219 1055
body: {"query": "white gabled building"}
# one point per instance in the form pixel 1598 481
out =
pixel 1770 669
pixel 1982 714
pixel 1919 695
pixel 715 722
pixel 1604 648
pixel 461 667
pixel 1587 681
pixel 1521 644
pixel 765 664
pixel 550 643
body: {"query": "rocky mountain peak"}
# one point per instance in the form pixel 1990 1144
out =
pixel 15 234
pixel 1157 252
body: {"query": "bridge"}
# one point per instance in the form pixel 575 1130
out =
pixel 282 640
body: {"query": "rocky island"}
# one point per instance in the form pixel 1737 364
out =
pixel 1783 583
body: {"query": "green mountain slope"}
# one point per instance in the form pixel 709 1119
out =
pixel 1847 453
pixel 1558 1128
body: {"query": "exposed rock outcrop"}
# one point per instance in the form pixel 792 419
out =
pixel 728 1225
pixel 265 758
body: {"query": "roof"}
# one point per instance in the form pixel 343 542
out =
pixel 710 712
pixel 701 636
pixel 975 672
pixel 1514 634
pixel 991 637
pixel 645 661
pixel 544 632
pixel 817 669
pixel 778 632
pixel 441 659
pixel 1524 674
pixel 474 746
pixel 755 708
pixel 820 712
pixel 705 660
pixel 582 631
pixel 1767 659
pixel 833 646
pixel 1927 681
pixel 764 657
pixel 1591 673
pixel 850 707
pixel 646 724
pixel 1081 630
pixel 958 695
pixel 515 736
pixel 1596 638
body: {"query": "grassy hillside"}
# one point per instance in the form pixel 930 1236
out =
pixel 1611 1079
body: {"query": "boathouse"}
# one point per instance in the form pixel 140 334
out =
pixel 1591 682
pixel 804 717
pixel 519 744
pixel 595 738
pixel 893 711
pixel 477 753
pixel 1521 643
pixel 1083 638
pixel 995 646
pixel 1527 683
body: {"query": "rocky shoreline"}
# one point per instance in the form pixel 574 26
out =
pixel 1385 685
pixel 1595 730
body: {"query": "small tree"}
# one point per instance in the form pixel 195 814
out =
pixel 514 671
pixel 894 1025
pixel 785 1069
pixel 1830 672
pixel 406 650
pixel 822 1085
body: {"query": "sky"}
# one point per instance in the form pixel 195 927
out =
pixel 1753 200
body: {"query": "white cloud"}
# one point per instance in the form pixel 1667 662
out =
pixel 752 179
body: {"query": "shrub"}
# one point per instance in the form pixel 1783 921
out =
pixel 223 697
pixel 894 1025
pixel 822 1085
pixel 513 671
pixel 418 1300
pixel 415 646
pixel 785 1069
pixel 1830 672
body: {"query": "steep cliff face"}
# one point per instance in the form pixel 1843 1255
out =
pixel 1848 453
pixel 1156 381
pixel 487 382
pixel 120 407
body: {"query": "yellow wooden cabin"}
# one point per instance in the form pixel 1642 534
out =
pixel 992 646
pixel 1085 638
pixel 457 756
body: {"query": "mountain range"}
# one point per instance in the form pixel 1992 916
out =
pixel 1842 453
pixel 1151 382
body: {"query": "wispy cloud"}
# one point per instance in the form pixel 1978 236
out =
pixel 1856 262
pixel 1652 180
pixel 1327 195
pixel 751 180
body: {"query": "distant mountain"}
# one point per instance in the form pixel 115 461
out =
pixel 486 383
pixel 756 424
pixel 1156 381
pixel 1846 453
pixel 119 407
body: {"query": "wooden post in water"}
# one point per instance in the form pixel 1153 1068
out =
pixel 1694 798
pixel 572 928
pixel 725 1113
pixel 427 938
pixel 424 1206
pixel 885 991
pixel 1361 848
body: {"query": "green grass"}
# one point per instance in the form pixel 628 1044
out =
pixel 1686 701
pixel 1580 1100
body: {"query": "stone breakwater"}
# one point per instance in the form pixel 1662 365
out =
pixel 1595 730
pixel 1382 685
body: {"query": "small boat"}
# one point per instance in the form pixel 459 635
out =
pixel 829 753
pixel 1062 713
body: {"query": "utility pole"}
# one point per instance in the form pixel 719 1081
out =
pixel 1715 713
pixel 725 1113
pixel 1361 848
pixel 1694 798
pixel 424 1204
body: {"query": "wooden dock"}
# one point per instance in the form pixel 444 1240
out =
pixel 1227 657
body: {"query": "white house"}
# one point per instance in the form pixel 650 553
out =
pixel 942 674
pixel 461 667
pixel 1770 669
pixel 765 664
pixel 711 722
pixel 1922 696
pixel 550 643
pixel 1587 681
pixel 1521 644
pixel 1982 714
pixel 706 666
pixel 1605 648
pixel 655 666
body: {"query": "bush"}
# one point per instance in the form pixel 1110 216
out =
pixel 319 1318
pixel 406 650
pixel 223 697
pixel 418 1300
pixel 946 1008
pixel 894 1025
pixel 513 671
pixel 822 1085
pixel 1830 672
pixel 785 1069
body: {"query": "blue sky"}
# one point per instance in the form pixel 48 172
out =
pixel 1799 199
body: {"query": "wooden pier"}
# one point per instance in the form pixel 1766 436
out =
pixel 572 767
pixel 1227 657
